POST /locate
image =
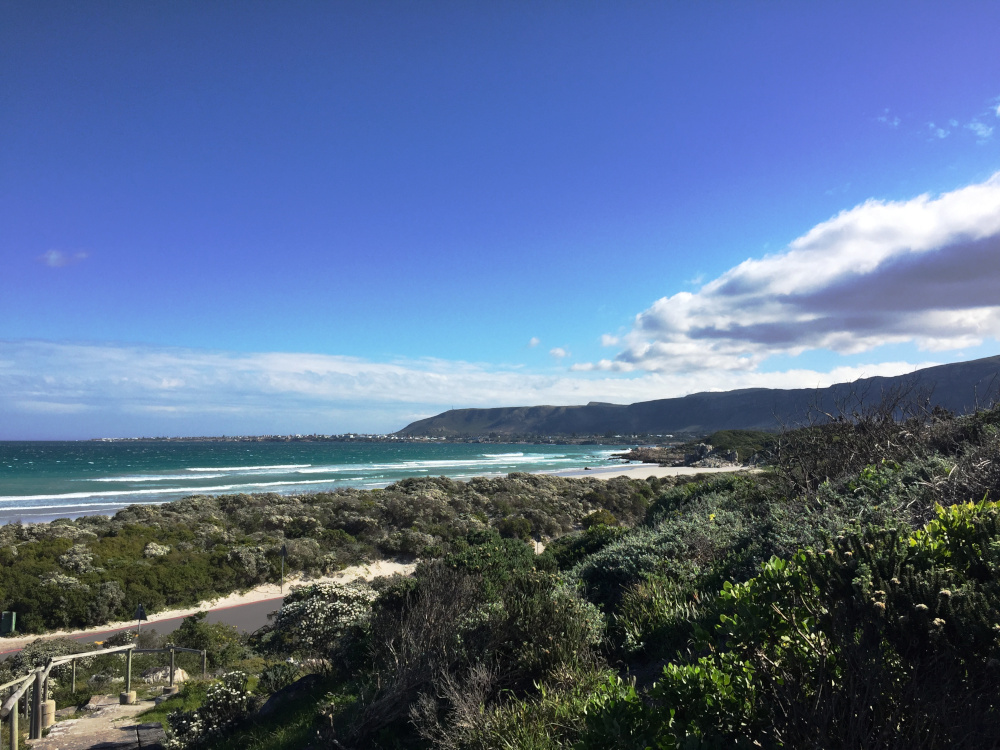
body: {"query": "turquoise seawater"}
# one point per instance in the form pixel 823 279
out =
pixel 40 481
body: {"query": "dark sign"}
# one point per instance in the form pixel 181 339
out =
pixel 140 614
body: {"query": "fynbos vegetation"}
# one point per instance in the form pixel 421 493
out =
pixel 846 595
pixel 86 572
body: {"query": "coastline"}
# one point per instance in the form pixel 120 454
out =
pixel 643 471
pixel 271 591
pixel 41 482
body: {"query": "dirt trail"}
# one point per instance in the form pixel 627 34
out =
pixel 111 727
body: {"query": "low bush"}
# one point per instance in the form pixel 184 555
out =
pixel 314 617
pixel 227 702
pixel 223 644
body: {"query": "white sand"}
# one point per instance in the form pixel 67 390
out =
pixel 641 471
pixel 266 592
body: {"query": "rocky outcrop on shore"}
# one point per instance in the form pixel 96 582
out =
pixel 700 455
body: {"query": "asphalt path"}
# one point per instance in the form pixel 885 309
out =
pixel 245 617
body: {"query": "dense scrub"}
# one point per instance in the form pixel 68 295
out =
pixel 847 595
pixel 86 572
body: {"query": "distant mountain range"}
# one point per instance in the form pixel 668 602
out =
pixel 957 387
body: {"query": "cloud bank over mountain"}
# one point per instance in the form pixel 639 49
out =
pixel 75 390
pixel 923 271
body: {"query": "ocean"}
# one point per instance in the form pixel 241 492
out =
pixel 42 481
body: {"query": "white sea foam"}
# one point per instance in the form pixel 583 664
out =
pixel 248 468
pixel 154 478
pixel 157 491
pixel 503 458
pixel 164 485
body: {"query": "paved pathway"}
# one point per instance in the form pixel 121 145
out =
pixel 111 727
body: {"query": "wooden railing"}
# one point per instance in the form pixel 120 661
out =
pixel 37 681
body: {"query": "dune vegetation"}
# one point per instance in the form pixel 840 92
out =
pixel 845 595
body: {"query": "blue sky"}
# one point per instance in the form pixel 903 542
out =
pixel 305 216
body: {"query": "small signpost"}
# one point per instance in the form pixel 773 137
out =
pixel 284 554
pixel 8 623
pixel 140 615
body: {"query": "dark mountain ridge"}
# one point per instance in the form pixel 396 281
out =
pixel 958 387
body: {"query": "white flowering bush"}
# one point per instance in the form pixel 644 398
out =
pixel 227 703
pixel 79 559
pixel 155 550
pixel 315 616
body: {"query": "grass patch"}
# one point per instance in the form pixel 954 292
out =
pixel 290 729
pixel 191 696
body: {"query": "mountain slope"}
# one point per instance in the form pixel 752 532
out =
pixel 957 387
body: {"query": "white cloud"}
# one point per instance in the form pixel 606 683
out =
pixel 924 271
pixel 107 389
pixel 558 352
pixel 534 341
pixel 58 259
pixel 938 132
pixel 609 340
pixel 888 119
pixel 980 130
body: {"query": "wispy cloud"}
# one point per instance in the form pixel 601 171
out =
pixel 888 119
pixel 608 340
pixel 558 352
pixel 119 389
pixel 924 271
pixel 937 132
pixel 981 130
pixel 533 342
pixel 58 258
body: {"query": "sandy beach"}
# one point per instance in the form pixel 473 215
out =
pixel 642 471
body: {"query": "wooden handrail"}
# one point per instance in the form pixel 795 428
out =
pixel 48 668
pixel 15 682
pixel 86 654
pixel 13 699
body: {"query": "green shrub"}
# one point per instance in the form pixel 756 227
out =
pixel 224 646
pixel 568 550
pixel 600 517
pixel 276 676
pixel 658 617
pixel 493 557
pixel 514 527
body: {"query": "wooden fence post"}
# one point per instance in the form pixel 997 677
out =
pixel 14 729
pixel 128 671
pixel 35 730
pixel 171 667
pixel 73 664
pixel 204 664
